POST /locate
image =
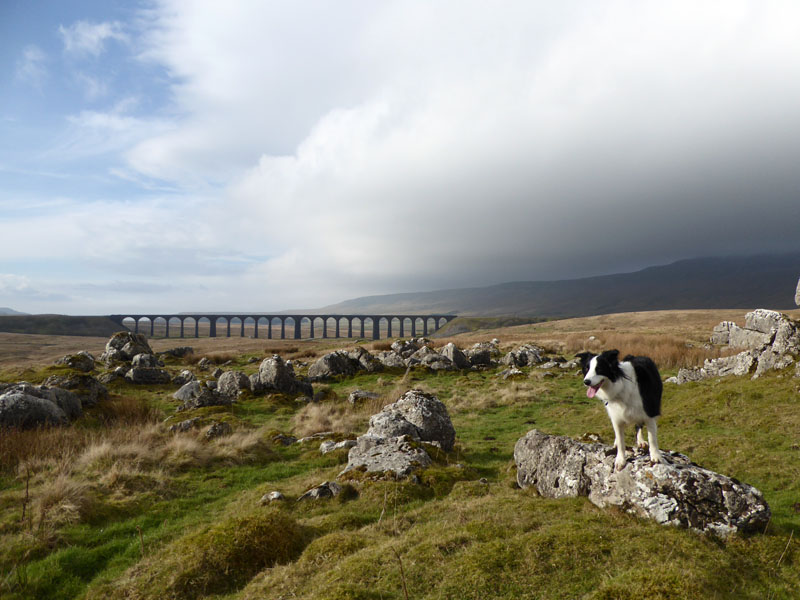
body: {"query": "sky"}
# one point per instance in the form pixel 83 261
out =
pixel 256 155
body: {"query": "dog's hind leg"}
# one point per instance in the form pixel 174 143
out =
pixel 640 437
pixel 652 437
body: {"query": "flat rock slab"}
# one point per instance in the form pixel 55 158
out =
pixel 679 493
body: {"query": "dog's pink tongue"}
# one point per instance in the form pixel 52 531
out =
pixel 592 390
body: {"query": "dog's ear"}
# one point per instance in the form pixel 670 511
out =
pixel 611 356
pixel 585 357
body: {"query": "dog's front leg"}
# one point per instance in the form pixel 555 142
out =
pixel 652 436
pixel 619 442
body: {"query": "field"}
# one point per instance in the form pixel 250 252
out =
pixel 116 507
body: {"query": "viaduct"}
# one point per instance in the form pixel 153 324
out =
pixel 330 324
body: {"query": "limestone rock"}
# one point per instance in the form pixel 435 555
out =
pixel 524 356
pixel 82 361
pixel 359 396
pixel 428 414
pixel 146 360
pixel 482 353
pixel 330 446
pixel 277 376
pixel 327 489
pixel 148 376
pixel 748 338
pixel 124 345
pixel 364 361
pixel 391 360
pixel 218 429
pixel 456 356
pixel 437 362
pixel 397 455
pixel 183 377
pixel 389 424
pixel 331 365
pixel 185 426
pixel 25 411
pixel 721 334
pixel 511 373
pixel 763 320
pixel 188 390
pixel 679 493
pixel 179 352
pixel 231 383
pixel 204 396
pixel 275 496
pixel 87 388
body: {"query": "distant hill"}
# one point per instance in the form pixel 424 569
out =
pixel 59 325
pixel 4 310
pixel 767 281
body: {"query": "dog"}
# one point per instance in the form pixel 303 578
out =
pixel 631 390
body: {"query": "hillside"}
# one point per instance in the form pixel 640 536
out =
pixel 58 325
pixel 5 311
pixel 733 282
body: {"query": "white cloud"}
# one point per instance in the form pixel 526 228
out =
pixel 84 37
pixel 10 283
pixel 31 66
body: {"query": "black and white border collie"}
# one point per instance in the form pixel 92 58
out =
pixel 631 390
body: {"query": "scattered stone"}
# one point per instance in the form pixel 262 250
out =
pixel 185 426
pixel 123 346
pixel 179 352
pixel 24 411
pixel 391 360
pixel 364 361
pixel 183 377
pixel 148 376
pixel 231 383
pixel 428 414
pixel 278 376
pixel 87 388
pixel 331 365
pixel 283 439
pixel 217 372
pixel 482 353
pixel 148 361
pixel 272 497
pixel 359 396
pixel 679 493
pixel 218 429
pixel 455 355
pixel 510 373
pixel 330 446
pixel 327 489
pixel 206 397
pixel 525 356
pixel 82 361
pixel 397 455
pixel 320 435
pixel 437 362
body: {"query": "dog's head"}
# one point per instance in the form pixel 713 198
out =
pixel 599 368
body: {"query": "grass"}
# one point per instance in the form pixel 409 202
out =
pixel 116 507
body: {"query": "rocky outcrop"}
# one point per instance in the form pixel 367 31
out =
pixel 82 361
pixel 148 376
pixel 87 388
pixel 678 493
pixel 455 355
pixel 68 402
pixel 524 356
pixel 327 489
pixel 146 360
pixel 183 377
pixel 123 346
pixel 391 360
pixel 231 383
pixel 25 411
pixel 331 365
pixel 277 376
pixel 771 341
pixel 483 354
pixel 359 396
pixel 396 438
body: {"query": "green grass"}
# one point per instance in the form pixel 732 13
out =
pixel 463 531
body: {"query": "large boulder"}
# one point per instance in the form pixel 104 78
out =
pixel 148 376
pixel 274 375
pixel 456 356
pixel 331 365
pixel 24 411
pixel 231 383
pixel 678 493
pixel 399 456
pixel 748 339
pixel 763 320
pixel 391 360
pixel 87 388
pixel 525 356
pixel 364 361
pixel 82 361
pixel 482 354
pixel 124 345
pixel 397 435
pixel 146 360
pixel 204 396
pixel 63 399
pixel 721 334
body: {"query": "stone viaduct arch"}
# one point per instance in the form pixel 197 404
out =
pixel 279 326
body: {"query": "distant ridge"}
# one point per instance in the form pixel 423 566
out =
pixel 5 311
pixel 767 281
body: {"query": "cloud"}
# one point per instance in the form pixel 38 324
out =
pixel 31 66
pixel 84 37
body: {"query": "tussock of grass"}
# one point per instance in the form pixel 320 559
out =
pixel 214 560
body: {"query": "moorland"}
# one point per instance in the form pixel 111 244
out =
pixel 117 506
